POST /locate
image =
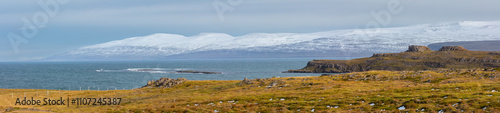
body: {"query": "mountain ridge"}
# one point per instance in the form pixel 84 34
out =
pixel 328 43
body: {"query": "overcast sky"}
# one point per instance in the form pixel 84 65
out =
pixel 80 23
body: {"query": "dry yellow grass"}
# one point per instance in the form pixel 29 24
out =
pixel 372 91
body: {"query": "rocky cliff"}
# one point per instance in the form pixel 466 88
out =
pixel 452 48
pixel 416 58
pixel 417 48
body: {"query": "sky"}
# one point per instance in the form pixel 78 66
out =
pixel 58 26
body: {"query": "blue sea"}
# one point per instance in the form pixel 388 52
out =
pixel 135 74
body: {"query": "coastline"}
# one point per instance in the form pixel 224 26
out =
pixel 441 88
pixel 369 91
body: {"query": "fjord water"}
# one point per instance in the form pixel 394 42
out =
pixel 132 74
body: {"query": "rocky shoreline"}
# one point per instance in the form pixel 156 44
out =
pixel 198 72
pixel 439 90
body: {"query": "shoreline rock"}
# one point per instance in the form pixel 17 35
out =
pixel 165 82
pixel 200 72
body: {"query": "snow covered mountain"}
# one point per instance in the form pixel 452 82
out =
pixel 353 42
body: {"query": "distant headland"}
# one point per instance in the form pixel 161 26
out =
pixel 415 58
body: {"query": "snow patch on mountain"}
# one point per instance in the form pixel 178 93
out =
pixel 344 42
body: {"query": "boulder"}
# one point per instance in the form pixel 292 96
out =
pixel 165 82
pixel 453 48
pixel 245 81
pixel 417 48
pixel 274 83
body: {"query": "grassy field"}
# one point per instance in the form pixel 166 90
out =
pixel 444 90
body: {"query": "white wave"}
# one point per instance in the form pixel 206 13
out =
pixel 145 70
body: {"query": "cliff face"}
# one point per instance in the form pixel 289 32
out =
pixel 452 48
pixel 416 58
pixel 416 48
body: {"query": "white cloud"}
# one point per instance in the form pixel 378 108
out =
pixel 260 13
pixel 192 17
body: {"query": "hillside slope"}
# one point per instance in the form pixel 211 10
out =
pixel 447 57
pixel 449 90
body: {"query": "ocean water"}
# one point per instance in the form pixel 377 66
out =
pixel 135 74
